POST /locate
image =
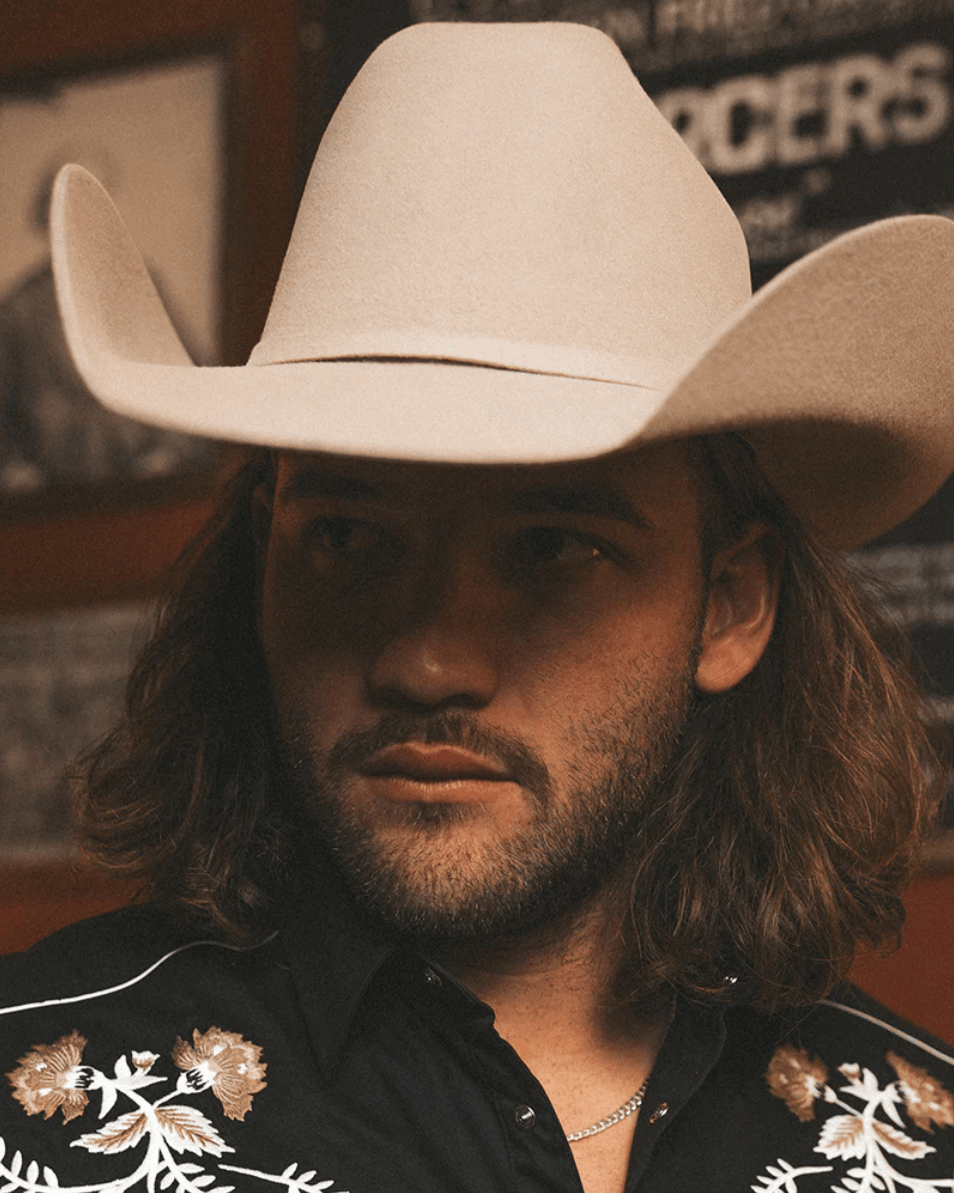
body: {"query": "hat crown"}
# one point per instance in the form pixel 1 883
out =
pixel 506 195
pixel 517 201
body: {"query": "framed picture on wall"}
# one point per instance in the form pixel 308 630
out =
pixel 165 109
pixel 914 565
pixel 62 677
pixel 188 115
pixel 57 444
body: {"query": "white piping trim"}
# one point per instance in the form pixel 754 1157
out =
pixel 903 1035
pixel 57 1002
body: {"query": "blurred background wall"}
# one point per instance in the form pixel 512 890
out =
pixel 813 116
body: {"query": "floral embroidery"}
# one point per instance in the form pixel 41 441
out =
pixel 52 1077
pixel 226 1063
pixel 856 1132
pixel 927 1101
pixel 796 1080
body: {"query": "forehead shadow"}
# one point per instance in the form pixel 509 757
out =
pixel 617 486
pixel 324 482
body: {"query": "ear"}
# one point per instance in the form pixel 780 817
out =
pixel 741 608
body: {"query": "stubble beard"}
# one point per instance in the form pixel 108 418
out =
pixel 572 845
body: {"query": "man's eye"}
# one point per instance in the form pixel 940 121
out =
pixel 550 544
pixel 352 539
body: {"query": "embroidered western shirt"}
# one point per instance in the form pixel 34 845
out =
pixel 330 1058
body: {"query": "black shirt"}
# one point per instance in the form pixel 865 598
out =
pixel 332 1058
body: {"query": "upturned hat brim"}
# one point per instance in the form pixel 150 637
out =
pixel 506 254
pixel 840 373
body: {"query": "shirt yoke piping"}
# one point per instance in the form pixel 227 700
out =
pixel 193 944
pixel 903 1035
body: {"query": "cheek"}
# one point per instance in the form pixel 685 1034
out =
pixel 640 618
pixel 313 651
pixel 303 617
pixel 582 692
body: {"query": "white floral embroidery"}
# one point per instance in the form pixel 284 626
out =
pixel 869 1128
pixel 52 1077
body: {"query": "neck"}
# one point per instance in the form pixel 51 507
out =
pixel 554 993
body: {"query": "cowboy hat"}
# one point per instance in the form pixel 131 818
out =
pixel 504 253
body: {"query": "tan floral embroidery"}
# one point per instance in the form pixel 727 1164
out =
pixel 864 1128
pixel 927 1101
pixel 183 1128
pixel 847 1138
pixel 50 1077
pixel 224 1062
pixel 166 1142
pixel 118 1135
pixel 900 1144
pixel 796 1079
pixel 144 1061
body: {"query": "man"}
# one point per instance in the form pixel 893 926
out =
pixel 513 770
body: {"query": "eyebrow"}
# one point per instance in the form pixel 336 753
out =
pixel 605 502
pixel 601 501
pixel 315 483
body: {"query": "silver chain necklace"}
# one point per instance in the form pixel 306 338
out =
pixel 628 1107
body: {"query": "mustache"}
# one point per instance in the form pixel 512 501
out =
pixel 354 749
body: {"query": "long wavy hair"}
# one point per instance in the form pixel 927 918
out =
pixel 794 813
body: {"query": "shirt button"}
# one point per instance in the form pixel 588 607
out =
pixel 524 1117
pixel 432 978
pixel 660 1112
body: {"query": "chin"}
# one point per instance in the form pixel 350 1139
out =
pixel 432 889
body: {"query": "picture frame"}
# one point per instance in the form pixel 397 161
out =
pixel 167 109
pixel 92 541
pixel 217 85
pixel 62 678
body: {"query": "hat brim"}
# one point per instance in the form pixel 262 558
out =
pixel 840 373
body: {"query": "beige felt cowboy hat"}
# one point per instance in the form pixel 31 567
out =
pixel 504 253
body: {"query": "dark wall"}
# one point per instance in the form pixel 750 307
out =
pixel 336 38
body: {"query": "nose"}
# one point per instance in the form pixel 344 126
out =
pixel 443 648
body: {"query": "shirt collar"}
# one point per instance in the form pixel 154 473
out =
pixel 334 953
pixel 690 1051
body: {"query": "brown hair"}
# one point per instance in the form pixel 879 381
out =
pixel 800 798
pixel 792 820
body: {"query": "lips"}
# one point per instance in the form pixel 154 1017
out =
pixel 420 763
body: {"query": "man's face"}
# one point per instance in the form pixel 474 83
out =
pixel 480 673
